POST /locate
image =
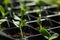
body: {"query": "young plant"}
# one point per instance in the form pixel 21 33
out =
pixel 3 13
pixel 23 12
pixel 20 24
pixel 2 10
pixel 23 8
pixel 42 30
pixel 21 21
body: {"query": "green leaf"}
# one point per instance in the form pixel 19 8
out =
pixel 2 20
pixel 44 32
pixel 16 17
pixel 16 23
pixel 22 5
pixel 24 10
pixel 7 1
pixel 22 22
pixel 2 10
pixel 54 36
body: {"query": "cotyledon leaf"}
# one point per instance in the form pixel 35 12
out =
pixel 44 32
pixel 54 36
pixel 2 10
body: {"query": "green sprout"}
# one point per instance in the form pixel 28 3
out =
pixel 19 24
pixel 42 30
pixel 23 9
pixel 22 22
pixel 2 10
pixel 23 12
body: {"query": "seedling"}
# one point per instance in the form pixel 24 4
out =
pixel 3 13
pixel 23 8
pixel 42 30
pixel 2 10
pixel 21 21
pixel 23 12
pixel 20 24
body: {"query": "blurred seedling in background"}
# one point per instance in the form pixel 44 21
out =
pixel 42 30
pixel 21 21
pixel 5 11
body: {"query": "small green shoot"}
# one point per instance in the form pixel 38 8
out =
pixel 22 22
pixel 2 10
pixel 44 31
pixel 23 8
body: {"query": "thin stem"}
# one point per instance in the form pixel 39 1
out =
pixel 40 21
pixel 21 32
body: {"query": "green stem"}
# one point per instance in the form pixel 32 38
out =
pixel 21 32
pixel 40 22
pixel 41 26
